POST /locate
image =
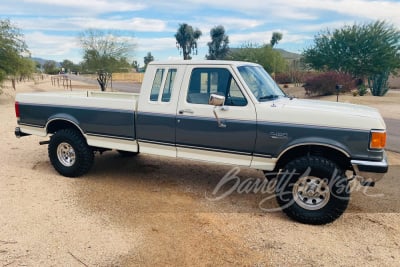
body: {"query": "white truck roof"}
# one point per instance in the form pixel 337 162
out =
pixel 203 62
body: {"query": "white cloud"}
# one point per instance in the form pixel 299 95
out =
pixel 81 23
pixel 152 24
pixel 231 23
pixel 54 47
pixel 296 10
pixel 264 37
pixel 155 44
pixel 88 6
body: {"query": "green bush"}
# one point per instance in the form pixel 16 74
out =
pixel 325 83
pixel 362 89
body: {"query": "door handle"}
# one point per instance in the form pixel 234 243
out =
pixel 185 111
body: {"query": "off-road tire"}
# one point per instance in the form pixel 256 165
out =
pixel 69 153
pixel 302 194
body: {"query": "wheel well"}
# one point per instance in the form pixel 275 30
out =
pixel 315 150
pixel 57 125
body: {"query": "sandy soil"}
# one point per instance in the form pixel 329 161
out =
pixel 154 211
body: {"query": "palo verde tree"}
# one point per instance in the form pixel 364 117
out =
pixel 276 37
pixel 186 39
pixel 14 54
pixel 265 55
pixel 368 51
pixel 147 59
pixel 105 52
pixel 69 66
pixel 218 48
pixel 51 67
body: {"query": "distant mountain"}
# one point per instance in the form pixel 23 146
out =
pixel 285 54
pixel 288 55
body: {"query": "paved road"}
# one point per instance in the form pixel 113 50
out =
pixel 116 86
pixel 393 137
pixel 393 125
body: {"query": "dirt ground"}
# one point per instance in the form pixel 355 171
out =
pixel 150 210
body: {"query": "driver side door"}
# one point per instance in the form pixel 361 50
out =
pixel 198 134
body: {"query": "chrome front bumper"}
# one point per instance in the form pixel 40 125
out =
pixel 370 171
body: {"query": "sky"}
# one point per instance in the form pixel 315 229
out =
pixel 51 28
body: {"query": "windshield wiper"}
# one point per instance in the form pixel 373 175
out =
pixel 269 97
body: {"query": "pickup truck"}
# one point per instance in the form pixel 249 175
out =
pixel 222 112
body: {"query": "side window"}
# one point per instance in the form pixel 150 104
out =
pixel 207 81
pixel 235 97
pixel 155 89
pixel 169 85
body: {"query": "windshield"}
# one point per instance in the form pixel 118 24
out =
pixel 260 83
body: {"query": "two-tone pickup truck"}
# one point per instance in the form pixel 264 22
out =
pixel 222 112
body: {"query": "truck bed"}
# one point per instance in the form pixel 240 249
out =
pixel 111 100
pixel 104 117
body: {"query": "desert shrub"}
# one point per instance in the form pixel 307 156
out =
pixel 283 78
pixel 296 77
pixel 362 89
pixel 325 83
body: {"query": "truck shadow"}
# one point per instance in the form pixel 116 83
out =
pixel 159 184
pixel 172 185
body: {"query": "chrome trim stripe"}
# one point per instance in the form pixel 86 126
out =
pixel 111 136
pixel 215 150
pixel 31 125
pixel 155 142
pixel 79 106
pixel 195 147
pixel 267 156
pixel 312 125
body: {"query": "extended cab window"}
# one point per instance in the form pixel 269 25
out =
pixel 159 81
pixel 207 81
pixel 168 86
pixel 155 89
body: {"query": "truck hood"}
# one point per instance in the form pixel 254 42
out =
pixel 320 113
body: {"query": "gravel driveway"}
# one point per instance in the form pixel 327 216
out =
pixel 151 211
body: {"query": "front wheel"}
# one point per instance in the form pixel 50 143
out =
pixel 312 190
pixel 69 153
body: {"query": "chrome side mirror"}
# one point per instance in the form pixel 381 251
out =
pixel 216 100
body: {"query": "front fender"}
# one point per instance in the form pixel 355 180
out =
pixel 315 141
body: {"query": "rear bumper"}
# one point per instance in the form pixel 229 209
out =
pixel 370 171
pixel 19 133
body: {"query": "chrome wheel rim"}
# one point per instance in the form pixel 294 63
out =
pixel 311 193
pixel 66 154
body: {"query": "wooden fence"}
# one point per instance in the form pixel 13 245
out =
pixel 63 80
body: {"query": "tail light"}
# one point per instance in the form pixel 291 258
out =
pixel 17 110
pixel 377 139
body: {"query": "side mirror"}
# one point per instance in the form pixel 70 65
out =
pixel 216 100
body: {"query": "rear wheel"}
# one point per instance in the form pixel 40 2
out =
pixel 69 153
pixel 313 190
